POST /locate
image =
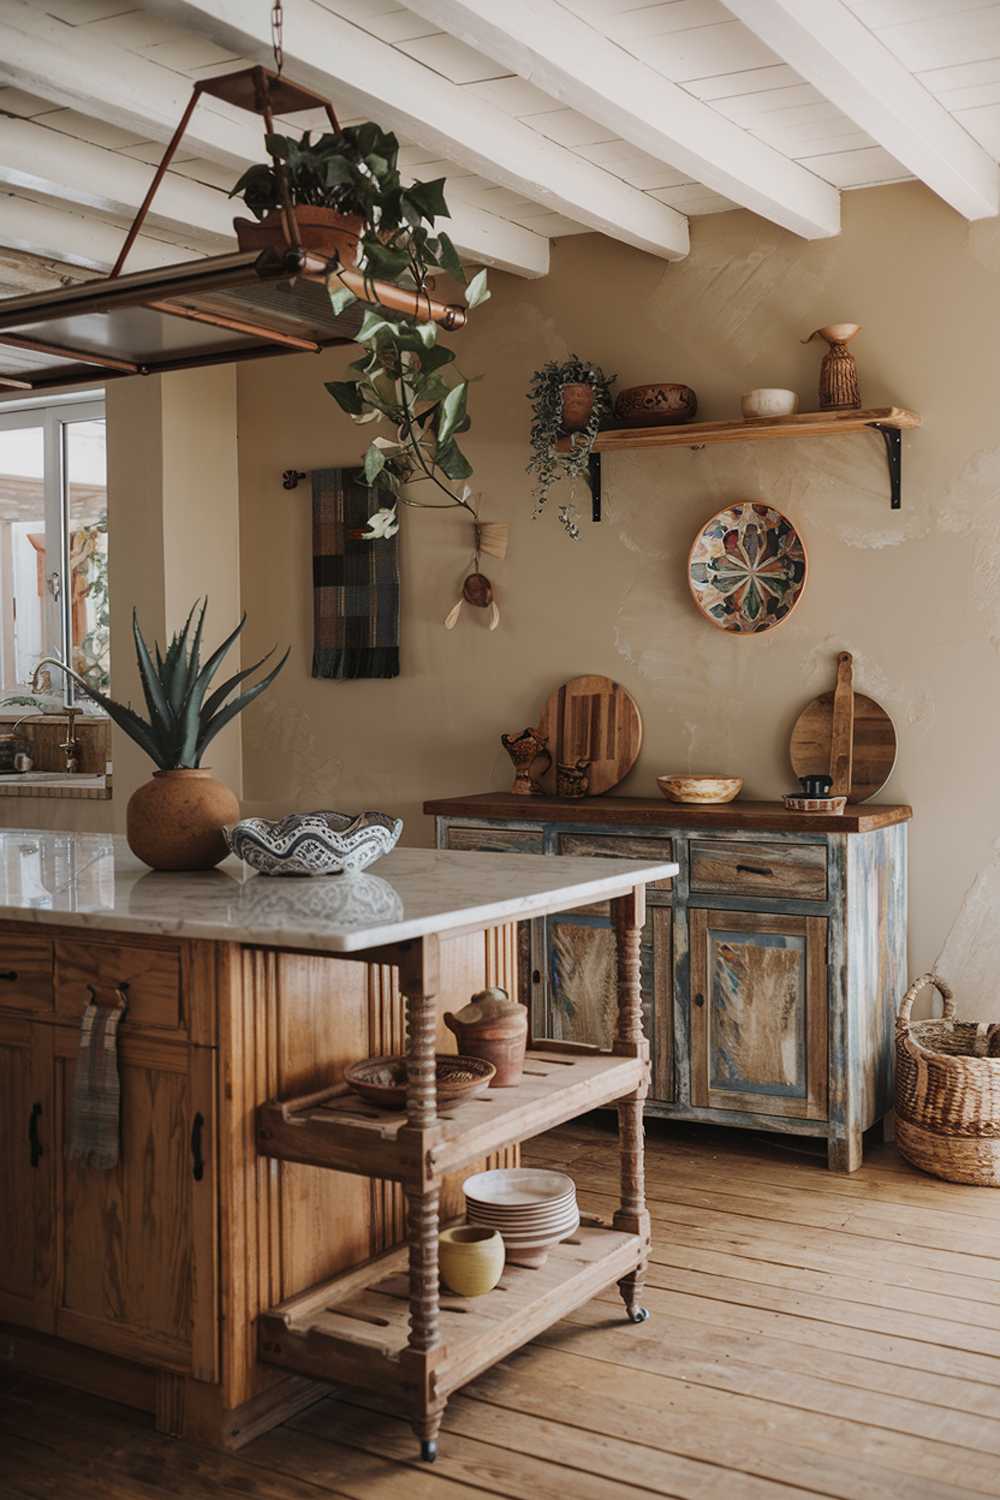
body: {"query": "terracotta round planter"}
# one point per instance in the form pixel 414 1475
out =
pixel 175 820
pixel 323 230
pixel 577 405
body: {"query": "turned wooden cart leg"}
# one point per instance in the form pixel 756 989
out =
pixel 632 1216
pixel 418 982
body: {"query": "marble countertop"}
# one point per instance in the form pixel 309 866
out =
pixel 94 881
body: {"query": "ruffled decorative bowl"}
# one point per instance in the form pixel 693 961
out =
pixel 317 843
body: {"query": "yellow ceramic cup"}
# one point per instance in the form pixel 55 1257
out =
pixel 471 1259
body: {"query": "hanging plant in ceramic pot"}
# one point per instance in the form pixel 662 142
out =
pixel 175 820
pixel 571 399
pixel 352 206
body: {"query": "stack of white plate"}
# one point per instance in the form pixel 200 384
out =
pixel 532 1209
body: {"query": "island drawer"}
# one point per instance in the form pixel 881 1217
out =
pixel 152 976
pixel 25 972
pixel 759 869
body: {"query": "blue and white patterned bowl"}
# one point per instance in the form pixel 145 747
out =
pixel 317 843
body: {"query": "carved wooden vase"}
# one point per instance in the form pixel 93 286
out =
pixel 838 374
pixel 175 820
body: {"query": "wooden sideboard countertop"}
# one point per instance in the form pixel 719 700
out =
pixel 642 812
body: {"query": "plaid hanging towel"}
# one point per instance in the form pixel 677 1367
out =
pixel 94 1126
pixel 355 583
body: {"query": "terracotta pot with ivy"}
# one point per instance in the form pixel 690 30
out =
pixel 569 398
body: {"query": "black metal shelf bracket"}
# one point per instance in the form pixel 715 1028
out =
pixel 893 438
pixel 594 475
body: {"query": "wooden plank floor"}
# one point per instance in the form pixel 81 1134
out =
pixel 811 1335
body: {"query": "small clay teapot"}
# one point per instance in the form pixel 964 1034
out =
pixel 494 1027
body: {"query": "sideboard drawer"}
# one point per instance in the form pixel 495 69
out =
pixel 739 869
pixel 25 972
pixel 153 977
pixel 621 846
pixel 496 840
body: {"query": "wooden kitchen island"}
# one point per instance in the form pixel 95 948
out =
pixel 252 1239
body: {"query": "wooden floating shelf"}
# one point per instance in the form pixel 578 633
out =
pixel 339 1130
pixel 890 421
pixel 355 1328
pixel 756 429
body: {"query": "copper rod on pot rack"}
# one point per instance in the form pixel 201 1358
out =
pixel 385 294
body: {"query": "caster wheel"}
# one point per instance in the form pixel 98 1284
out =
pixel 429 1450
pixel 639 1314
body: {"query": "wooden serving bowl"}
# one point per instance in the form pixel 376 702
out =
pixel 704 789
pixel 662 404
pixel 382 1080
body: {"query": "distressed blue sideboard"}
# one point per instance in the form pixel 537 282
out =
pixel 772 963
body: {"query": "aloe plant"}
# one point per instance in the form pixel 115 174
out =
pixel 182 720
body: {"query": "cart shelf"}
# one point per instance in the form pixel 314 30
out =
pixel 355 1328
pixel 337 1129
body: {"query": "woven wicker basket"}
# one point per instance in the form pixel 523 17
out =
pixel 948 1091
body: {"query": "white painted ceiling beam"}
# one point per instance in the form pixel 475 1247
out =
pixel 62 234
pixel 565 56
pixel 47 163
pixel 826 43
pixel 62 63
pixel 368 77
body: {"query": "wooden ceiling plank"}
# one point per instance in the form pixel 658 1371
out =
pixel 586 70
pixel 367 76
pixel 827 45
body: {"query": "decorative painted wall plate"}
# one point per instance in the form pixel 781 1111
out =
pixel 747 568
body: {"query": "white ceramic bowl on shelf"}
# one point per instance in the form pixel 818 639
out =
pixel 769 401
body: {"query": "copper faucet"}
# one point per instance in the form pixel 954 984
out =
pixel 70 746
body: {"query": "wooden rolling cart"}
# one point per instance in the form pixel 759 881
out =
pixel 395 1333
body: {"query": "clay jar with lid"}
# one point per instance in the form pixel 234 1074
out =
pixel 494 1027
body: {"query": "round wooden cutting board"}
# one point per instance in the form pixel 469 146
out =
pixel 874 744
pixel 595 719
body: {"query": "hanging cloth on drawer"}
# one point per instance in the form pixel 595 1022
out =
pixel 95 1109
pixel 355 582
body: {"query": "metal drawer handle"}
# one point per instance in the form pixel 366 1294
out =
pixel 753 870
pixel 197 1159
pixel 34 1142
pixel 9 974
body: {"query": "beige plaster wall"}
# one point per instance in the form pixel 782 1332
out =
pixel 915 595
pixel 173 503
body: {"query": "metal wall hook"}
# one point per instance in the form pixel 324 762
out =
pixel 290 478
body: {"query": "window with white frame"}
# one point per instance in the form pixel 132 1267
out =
pixel 53 542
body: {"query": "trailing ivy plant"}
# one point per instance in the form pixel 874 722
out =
pixel 546 463
pixel 404 377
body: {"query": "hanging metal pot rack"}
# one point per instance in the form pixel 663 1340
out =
pixel 219 310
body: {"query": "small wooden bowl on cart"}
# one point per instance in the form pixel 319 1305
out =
pixel 382 1080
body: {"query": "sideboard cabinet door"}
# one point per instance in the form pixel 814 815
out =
pixel 137 1244
pixel 578 1000
pixel 27 1154
pixel 759 1013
